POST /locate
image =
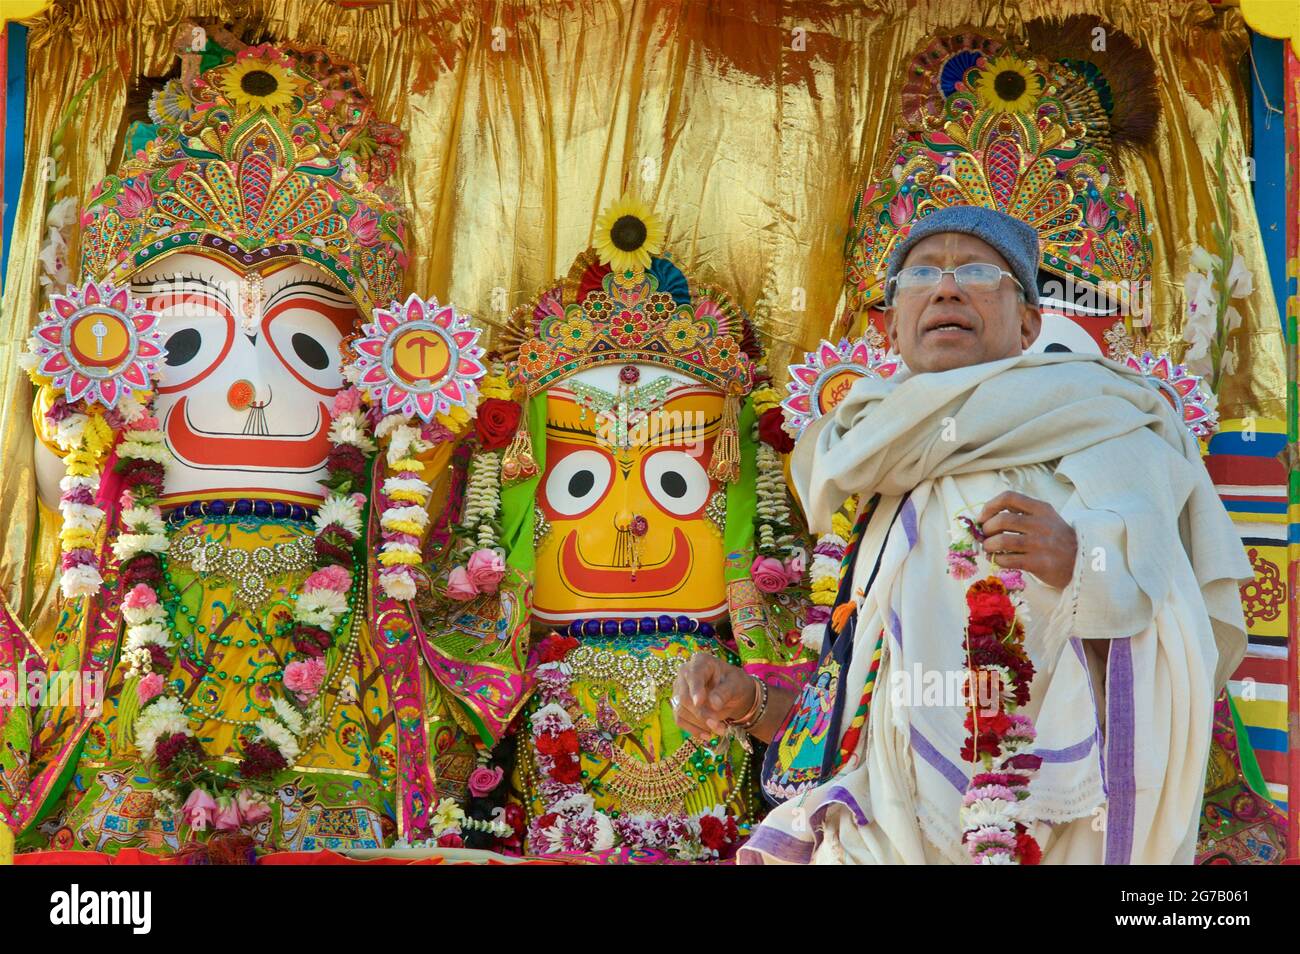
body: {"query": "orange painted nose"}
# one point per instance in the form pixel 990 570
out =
pixel 241 395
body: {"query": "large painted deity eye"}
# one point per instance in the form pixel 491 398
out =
pixel 578 482
pixel 677 481
pixel 198 325
pixel 302 327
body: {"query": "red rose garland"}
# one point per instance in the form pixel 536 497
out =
pixel 999 673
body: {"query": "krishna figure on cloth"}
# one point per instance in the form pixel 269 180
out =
pixel 244 471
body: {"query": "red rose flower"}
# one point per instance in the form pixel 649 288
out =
pixel 451 840
pixel 771 433
pixel 310 640
pixel 993 608
pixel 547 820
pixel 496 422
pixel 516 818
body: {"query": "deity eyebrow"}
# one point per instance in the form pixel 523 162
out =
pixel 214 287
pixel 333 292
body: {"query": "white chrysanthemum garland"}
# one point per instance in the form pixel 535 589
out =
pixel 483 557
pixel 780 559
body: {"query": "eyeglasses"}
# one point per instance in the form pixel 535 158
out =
pixel 971 277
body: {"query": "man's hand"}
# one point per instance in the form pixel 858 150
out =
pixel 1027 534
pixel 708 692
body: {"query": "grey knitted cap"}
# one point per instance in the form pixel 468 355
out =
pixel 1015 240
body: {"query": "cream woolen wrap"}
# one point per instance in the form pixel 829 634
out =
pixel 1103 447
pixel 1117 439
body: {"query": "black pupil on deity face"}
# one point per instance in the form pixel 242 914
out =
pixel 311 351
pixel 674 484
pixel 183 346
pixel 628 233
pixel 1009 85
pixel 580 484
pixel 258 83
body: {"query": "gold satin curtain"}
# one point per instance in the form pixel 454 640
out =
pixel 747 124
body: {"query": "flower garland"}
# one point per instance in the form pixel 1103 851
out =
pixel 824 575
pixel 570 822
pixel 86 438
pixel 161 721
pixel 484 564
pixel 998 679
pixel 779 560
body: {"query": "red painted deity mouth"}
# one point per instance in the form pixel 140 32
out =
pixel 603 582
pixel 214 449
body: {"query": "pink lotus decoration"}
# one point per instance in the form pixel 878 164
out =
pixel 833 366
pixel 1184 390
pixel 98 343
pixel 419 358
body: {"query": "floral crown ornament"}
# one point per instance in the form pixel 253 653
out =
pixel 96 343
pixel 825 377
pixel 417 358
pixel 1019 132
pixel 269 155
pixel 645 310
pixel 1186 392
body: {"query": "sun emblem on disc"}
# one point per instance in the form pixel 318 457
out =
pixel 826 375
pixel 98 343
pixel 419 358
pixel 1186 392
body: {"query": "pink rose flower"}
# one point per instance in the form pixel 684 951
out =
pixel 127 500
pixel 304 677
pixel 150 687
pixel 252 809
pixel 483 780
pixel 485 570
pixel 768 574
pixel 795 566
pixel 460 586
pixel 227 817
pixel 349 399
pixel 141 597
pixel 198 810
pixel 146 422
pixel 332 577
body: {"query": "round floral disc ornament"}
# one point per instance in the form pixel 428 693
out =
pixel 1182 389
pixel 826 376
pixel 419 358
pixel 98 343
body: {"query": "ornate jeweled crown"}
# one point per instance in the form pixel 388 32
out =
pixel 646 310
pixel 1023 133
pixel 272 154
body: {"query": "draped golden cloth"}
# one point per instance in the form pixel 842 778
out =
pixel 748 124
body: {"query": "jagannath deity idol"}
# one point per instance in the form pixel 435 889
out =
pixel 244 434
pixel 634 487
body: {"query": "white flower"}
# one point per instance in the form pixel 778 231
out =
pixel 398 585
pixel 407 485
pixel 276 734
pixel 416 515
pixel 147 634
pixel 577 804
pixel 69 431
pixel 1202 260
pixel 604 832
pixel 144 450
pixel 62 214
pixel 446 817
pixel 405 442
pixel 128 545
pixel 1231 320
pixel 552 712
pixel 290 716
pixel 812 636
pixel 1228 365
pixel 81 516
pixel 164 716
pixel 80 581
pixel 131 408
pixel 1241 283
pixel 350 428
pixel 388 423
pixel 340 510
pixel 143 520
pixel 136 615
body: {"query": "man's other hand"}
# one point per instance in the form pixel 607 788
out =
pixel 1022 533
pixel 708 692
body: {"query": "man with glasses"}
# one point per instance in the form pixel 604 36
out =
pixel 1068 485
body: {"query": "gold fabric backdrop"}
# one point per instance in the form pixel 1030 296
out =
pixel 747 124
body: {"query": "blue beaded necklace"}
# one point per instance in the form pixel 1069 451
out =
pixel 645 626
